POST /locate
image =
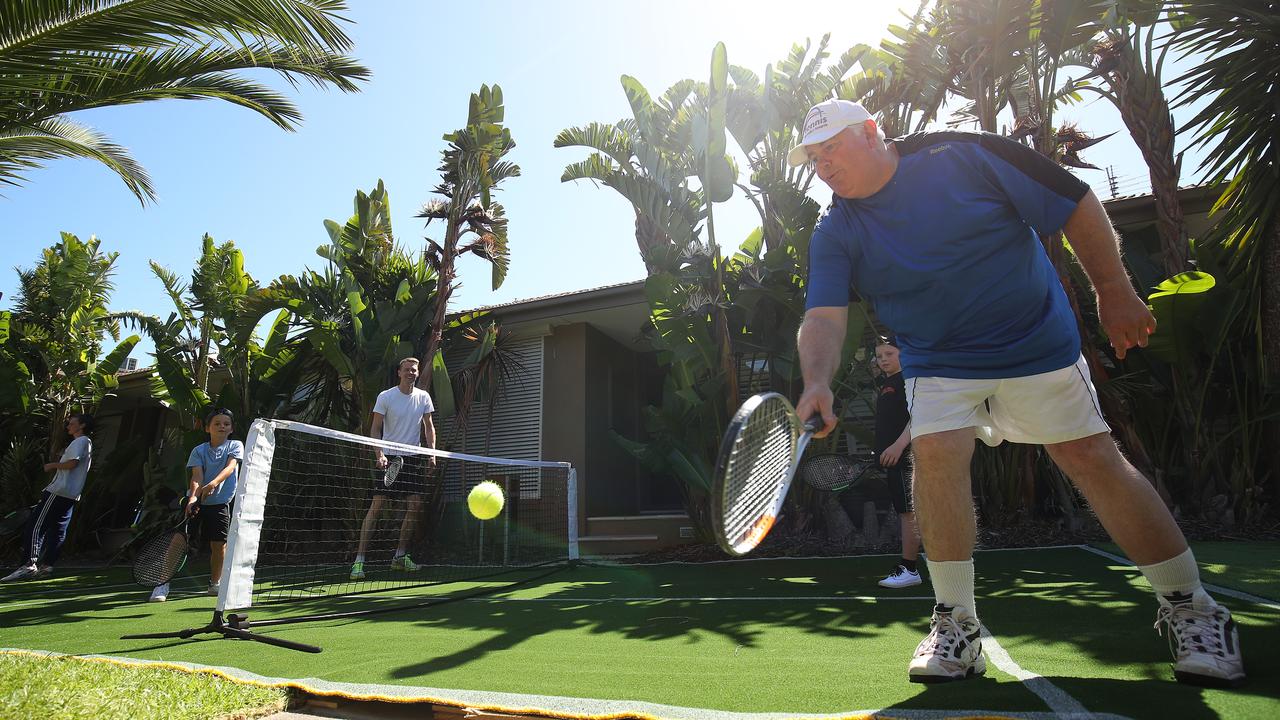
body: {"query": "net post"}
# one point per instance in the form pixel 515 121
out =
pixel 236 590
pixel 572 519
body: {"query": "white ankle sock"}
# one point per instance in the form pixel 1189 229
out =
pixel 360 558
pixel 1177 578
pixel 953 583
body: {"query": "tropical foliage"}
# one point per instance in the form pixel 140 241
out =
pixel 471 169
pixel 58 57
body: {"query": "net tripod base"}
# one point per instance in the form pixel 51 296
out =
pixel 235 627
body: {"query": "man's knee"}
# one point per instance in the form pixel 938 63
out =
pixel 942 453
pixel 1087 456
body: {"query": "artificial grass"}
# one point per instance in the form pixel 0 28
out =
pixel 70 688
pixel 1246 566
pixel 784 636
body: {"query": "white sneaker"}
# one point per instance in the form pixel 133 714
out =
pixel 952 650
pixel 213 589
pixel 160 594
pixel 21 573
pixel 900 578
pixel 1204 641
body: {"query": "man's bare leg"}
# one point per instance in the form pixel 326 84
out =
pixel 406 525
pixel 910 536
pixel 1207 647
pixel 1125 502
pixel 944 510
pixel 941 491
pixel 366 527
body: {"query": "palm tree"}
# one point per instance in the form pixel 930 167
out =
pixel 1130 64
pixel 61 56
pixel 1237 44
pixel 1236 75
pixel 198 330
pixel 344 328
pixel 61 315
pixel 471 168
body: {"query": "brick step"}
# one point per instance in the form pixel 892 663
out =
pixel 589 545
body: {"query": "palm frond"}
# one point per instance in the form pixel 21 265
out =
pixel 53 138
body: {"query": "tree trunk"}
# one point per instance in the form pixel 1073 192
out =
pixel 1271 340
pixel 434 335
pixel 1145 112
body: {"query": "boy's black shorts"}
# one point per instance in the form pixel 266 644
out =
pixel 898 480
pixel 214 522
pixel 411 479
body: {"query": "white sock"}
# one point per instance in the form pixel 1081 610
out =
pixel 953 583
pixel 1177 579
pixel 399 554
pixel 360 558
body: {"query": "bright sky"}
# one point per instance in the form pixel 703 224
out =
pixel 228 172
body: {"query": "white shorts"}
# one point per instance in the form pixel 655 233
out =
pixel 1042 409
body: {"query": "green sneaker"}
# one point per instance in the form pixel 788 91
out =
pixel 357 571
pixel 404 563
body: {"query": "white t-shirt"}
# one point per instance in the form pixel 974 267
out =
pixel 70 483
pixel 402 414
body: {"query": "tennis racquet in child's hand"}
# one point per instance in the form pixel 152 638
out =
pixel 394 464
pixel 833 472
pixel 757 461
pixel 164 555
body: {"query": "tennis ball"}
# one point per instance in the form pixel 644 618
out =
pixel 485 500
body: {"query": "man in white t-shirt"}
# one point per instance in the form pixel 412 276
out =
pixel 401 414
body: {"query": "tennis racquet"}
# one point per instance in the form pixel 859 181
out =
pixel 833 472
pixel 164 555
pixel 757 461
pixel 394 464
pixel 12 523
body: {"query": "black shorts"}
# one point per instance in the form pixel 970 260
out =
pixel 214 522
pixel 898 480
pixel 411 479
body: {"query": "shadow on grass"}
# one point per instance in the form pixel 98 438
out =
pixel 1065 614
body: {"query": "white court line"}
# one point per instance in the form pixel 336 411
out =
pixel 810 598
pixel 1215 589
pixel 1058 700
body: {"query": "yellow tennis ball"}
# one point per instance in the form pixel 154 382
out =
pixel 485 500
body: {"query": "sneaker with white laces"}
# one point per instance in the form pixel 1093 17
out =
pixel 405 563
pixel 952 650
pixel 160 593
pixel 901 577
pixel 357 570
pixel 1204 641
pixel 22 573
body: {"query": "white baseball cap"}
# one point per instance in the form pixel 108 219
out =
pixel 822 123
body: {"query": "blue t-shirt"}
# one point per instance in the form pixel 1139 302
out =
pixel 947 254
pixel 211 461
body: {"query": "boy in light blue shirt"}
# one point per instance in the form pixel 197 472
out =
pixel 214 469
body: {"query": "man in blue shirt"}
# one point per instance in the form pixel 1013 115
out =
pixel 938 230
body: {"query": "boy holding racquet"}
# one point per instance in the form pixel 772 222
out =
pixel 893 437
pixel 939 231
pixel 215 467
pixel 401 414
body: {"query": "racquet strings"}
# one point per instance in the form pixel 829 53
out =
pixel 829 472
pixel 160 559
pixel 757 468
